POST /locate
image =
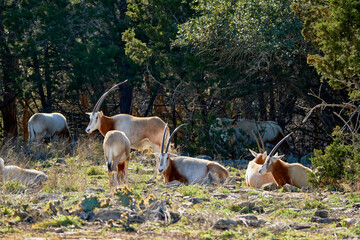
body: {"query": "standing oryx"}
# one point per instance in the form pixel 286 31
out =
pixel 42 125
pixel 116 148
pixel 142 132
pixel 187 169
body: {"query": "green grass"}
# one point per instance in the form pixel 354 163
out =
pixel 58 222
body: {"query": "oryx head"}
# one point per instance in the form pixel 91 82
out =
pixel 164 155
pixel 96 115
pixel 271 159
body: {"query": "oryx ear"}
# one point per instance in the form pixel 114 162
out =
pixel 89 113
pixel 156 154
pixel 253 153
pixel 172 155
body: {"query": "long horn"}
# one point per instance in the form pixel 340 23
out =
pixel 276 146
pixel 101 99
pixel 257 141
pixel 163 140
pixel 262 142
pixel 173 133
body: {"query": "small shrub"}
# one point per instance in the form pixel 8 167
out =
pixel 15 187
pixel 93 171
pixel 60 221
pixel 339 162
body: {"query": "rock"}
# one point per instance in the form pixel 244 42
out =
pixel 322 213
pixel 198 200
pixel 290 188
pixel 174 184
pixel 221 196
pixel 224 224
pixel 250 223
pixel 157 211
pixel 105 214
pixel 305 160
pixel 60 161
pixel 325 220
pixel 94 190
pixel 45 197
pixel 269 186
pixel 300 226
pixel 258 209
pixel 246 206
pixel 206 157
pixel 279 227
pixel 248 216
pixel 350 222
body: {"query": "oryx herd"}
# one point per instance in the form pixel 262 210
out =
pixel 123 132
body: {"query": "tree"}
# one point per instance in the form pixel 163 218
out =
pixel 333 27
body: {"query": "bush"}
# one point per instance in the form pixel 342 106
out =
pixel 339 162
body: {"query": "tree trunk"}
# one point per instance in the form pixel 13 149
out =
pixel 126 94
pixel 8 105
pixel 47 80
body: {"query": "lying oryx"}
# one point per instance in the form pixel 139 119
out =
pixel 242 129
pixel 142 132
pixel 252 177
pixel 187 169
pixel 28 177
pixel 42 125
pixel 285 173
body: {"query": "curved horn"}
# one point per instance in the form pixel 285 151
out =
pixel 276 146
pixel 101 99
pixel 163 140
pixel 262 142
pixel 257 141
pixel 173 133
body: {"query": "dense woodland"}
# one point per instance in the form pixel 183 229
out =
pixel 186 61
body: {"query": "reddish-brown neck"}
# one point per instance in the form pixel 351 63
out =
pixel 171 173
pixel 106 124
pixel 281 173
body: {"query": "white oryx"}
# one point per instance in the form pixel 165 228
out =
pixel 28 177
pixel 285 173
pixel 252 177
pixel 187 169
pixel 242 129
pixel 42 125
pixel 117 155
pixel 142 132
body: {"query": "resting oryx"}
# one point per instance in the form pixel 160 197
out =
pixel 28 177
pixel 285 173
pixel 187 169
pixel 42 125
pixel 117 155
pixel 270 131
pixel 142 132
pixel 252 177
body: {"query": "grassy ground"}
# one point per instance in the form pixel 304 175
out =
pixel 280 215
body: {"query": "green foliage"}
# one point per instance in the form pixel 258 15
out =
pixel 59 221
pixel 337 163
pixel 93 171
pixel 15 187
pixel 332 26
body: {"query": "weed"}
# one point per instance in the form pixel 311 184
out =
pixel 94 171
pixel 59 221
pixel 14 187
pixel 7 229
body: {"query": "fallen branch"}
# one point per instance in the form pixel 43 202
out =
pixel 323 105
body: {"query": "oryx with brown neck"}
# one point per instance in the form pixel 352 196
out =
pixel 142 132
pixel 252 177
pixel 187 169
pixel 285 173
